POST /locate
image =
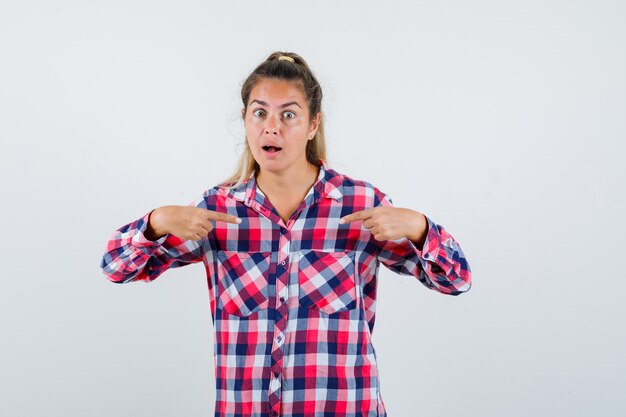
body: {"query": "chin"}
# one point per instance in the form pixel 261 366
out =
pixel 273 168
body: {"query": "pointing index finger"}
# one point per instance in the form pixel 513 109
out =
pixel 358 215
pixel 223 217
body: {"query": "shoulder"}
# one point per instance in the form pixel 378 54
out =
pixel 210 196
pixel 360 189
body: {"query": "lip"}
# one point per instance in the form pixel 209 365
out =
pixel 269 154
pixel 271 144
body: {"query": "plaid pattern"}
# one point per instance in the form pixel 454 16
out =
pixel 293 305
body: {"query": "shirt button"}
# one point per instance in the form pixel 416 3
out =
pixel 282 299
pixel 283 263
pixel 275 374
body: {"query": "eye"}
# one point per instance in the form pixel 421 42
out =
pixel 259 112
pixel 289 115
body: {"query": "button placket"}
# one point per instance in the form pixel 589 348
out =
pixel 282 292
pixel 280 324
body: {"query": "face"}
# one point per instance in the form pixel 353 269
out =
pixel 278 126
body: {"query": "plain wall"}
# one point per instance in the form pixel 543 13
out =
pixel 502 121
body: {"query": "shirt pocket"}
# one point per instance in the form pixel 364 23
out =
pixel 326 281
pixel 243 281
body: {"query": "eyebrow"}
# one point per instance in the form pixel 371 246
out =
pixel 262 103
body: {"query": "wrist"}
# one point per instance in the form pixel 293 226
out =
pixel 155 229
pixel 418 231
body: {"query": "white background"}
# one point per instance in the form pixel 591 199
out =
pixel 502 121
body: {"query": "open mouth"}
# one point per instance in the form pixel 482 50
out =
pixel 271 149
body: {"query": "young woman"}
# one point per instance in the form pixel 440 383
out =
pixel 292 250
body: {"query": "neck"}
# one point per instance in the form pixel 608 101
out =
pixel 288 183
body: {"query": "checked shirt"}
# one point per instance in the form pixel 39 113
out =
pixel 293 304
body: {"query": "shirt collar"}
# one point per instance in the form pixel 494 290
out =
pixel 328 185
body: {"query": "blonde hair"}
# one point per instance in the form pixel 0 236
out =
pixel 299 72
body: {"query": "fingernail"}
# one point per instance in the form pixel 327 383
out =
pixel 238 220
pixel 342 221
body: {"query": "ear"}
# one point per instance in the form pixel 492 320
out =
pixel 315 124
pixel 243 113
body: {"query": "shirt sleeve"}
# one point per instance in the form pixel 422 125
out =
pixel 440 265
pixel 130 256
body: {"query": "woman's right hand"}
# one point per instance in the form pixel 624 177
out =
pixel 185 222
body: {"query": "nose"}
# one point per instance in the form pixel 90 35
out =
pixel 271 126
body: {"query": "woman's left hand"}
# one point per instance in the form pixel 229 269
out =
pixel 391 223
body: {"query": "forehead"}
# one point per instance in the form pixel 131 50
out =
pixel 276 92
